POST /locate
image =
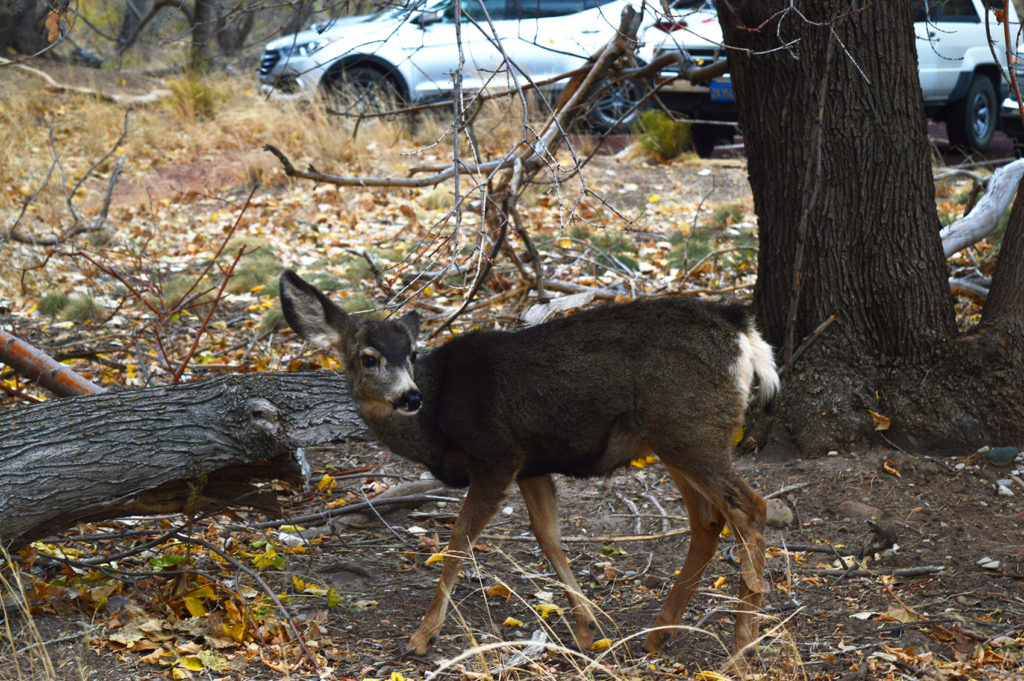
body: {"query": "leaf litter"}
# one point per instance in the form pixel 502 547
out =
pixel 181 610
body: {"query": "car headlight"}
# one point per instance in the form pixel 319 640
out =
pixel 305 49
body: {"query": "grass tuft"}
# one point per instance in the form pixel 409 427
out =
pixel 663 137
pixel 51 303
pixel 80 307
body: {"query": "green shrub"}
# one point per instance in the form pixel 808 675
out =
pixel 662 136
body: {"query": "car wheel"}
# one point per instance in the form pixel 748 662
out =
pixel 972 120
pixel 361 90
pixel 612 111
pixel 705 137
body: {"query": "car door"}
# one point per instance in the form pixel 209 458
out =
pixel 945 30
pixel 431 46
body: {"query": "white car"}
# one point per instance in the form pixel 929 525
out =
pixel 410 54
pixel 958 68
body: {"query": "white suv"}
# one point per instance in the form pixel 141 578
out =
pixel 959 74
pixel 411 53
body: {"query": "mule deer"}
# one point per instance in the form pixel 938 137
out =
pixel 579 396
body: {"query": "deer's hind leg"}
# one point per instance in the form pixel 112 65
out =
pixel 706 523
pixel 539 494
pixel 718 496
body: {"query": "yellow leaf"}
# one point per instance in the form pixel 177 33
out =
pixel 195 606
pixel 499 590
pixel 726 532
pixel 718 582
pixel 710 676
pixel 738 437
pixel 653 198
pixel 234 631
pixel 396 676
pixel 192 663
pixel 881 422
pixel 205 591
pixel 512 622
pixel 434 558
pixel 326 483
pixel 601 644
pixel 546 609
pixel 564 242
pixel 332 598
pixel 643 461
pixel 179 673
pixel 298 583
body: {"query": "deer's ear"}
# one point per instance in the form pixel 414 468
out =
pixel 311 315
pixel 411 321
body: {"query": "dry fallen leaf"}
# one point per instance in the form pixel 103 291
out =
pixel 881 422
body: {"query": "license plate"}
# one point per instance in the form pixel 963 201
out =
pixel 721 91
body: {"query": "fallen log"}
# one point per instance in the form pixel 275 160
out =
pixel 176 448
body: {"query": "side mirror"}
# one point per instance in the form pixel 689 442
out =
pixel 425 17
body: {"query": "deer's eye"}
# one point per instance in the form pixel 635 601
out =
pixel 369 361
pixel 412 357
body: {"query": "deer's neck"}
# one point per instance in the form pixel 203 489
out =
pixel 416 437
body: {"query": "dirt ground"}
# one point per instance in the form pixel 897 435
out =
pixel 948 618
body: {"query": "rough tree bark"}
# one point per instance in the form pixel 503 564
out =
pixel 180 448
pixel 839 167
pixel 203 26
pixel 20 26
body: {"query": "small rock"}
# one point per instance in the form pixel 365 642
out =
pixel 1002 455
pixel 778 513
pixel 984 559
pixel 855 509
pixel 1004 491
pixel 960 466
pixel 990 565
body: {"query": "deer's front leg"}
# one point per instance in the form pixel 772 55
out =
pixel 482 501
pixel 539 494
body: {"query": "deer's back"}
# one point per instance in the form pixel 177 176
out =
pixel 568 395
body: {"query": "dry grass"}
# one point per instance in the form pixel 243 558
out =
pixel 28 657
pixel 202 119
pixel 546 649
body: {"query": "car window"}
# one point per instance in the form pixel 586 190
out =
pixel 475 10
pixel 534 9
pixel 956 10
pixel 947 10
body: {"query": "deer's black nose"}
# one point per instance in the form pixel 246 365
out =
pixel 410 402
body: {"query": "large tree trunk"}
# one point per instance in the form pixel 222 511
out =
pixel 839 167
pixel 20 27
pixel 203 27
pixel 180 448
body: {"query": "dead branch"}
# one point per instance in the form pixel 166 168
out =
pixel 980 222
pixel 124 100
pixel 37 366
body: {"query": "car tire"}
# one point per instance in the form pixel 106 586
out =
pixel 971 121
pixel 705 137
pixel 614 100
pixel 360 90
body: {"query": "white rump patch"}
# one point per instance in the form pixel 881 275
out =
pixel 755 357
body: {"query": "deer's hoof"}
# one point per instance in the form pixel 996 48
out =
pixel 655 640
